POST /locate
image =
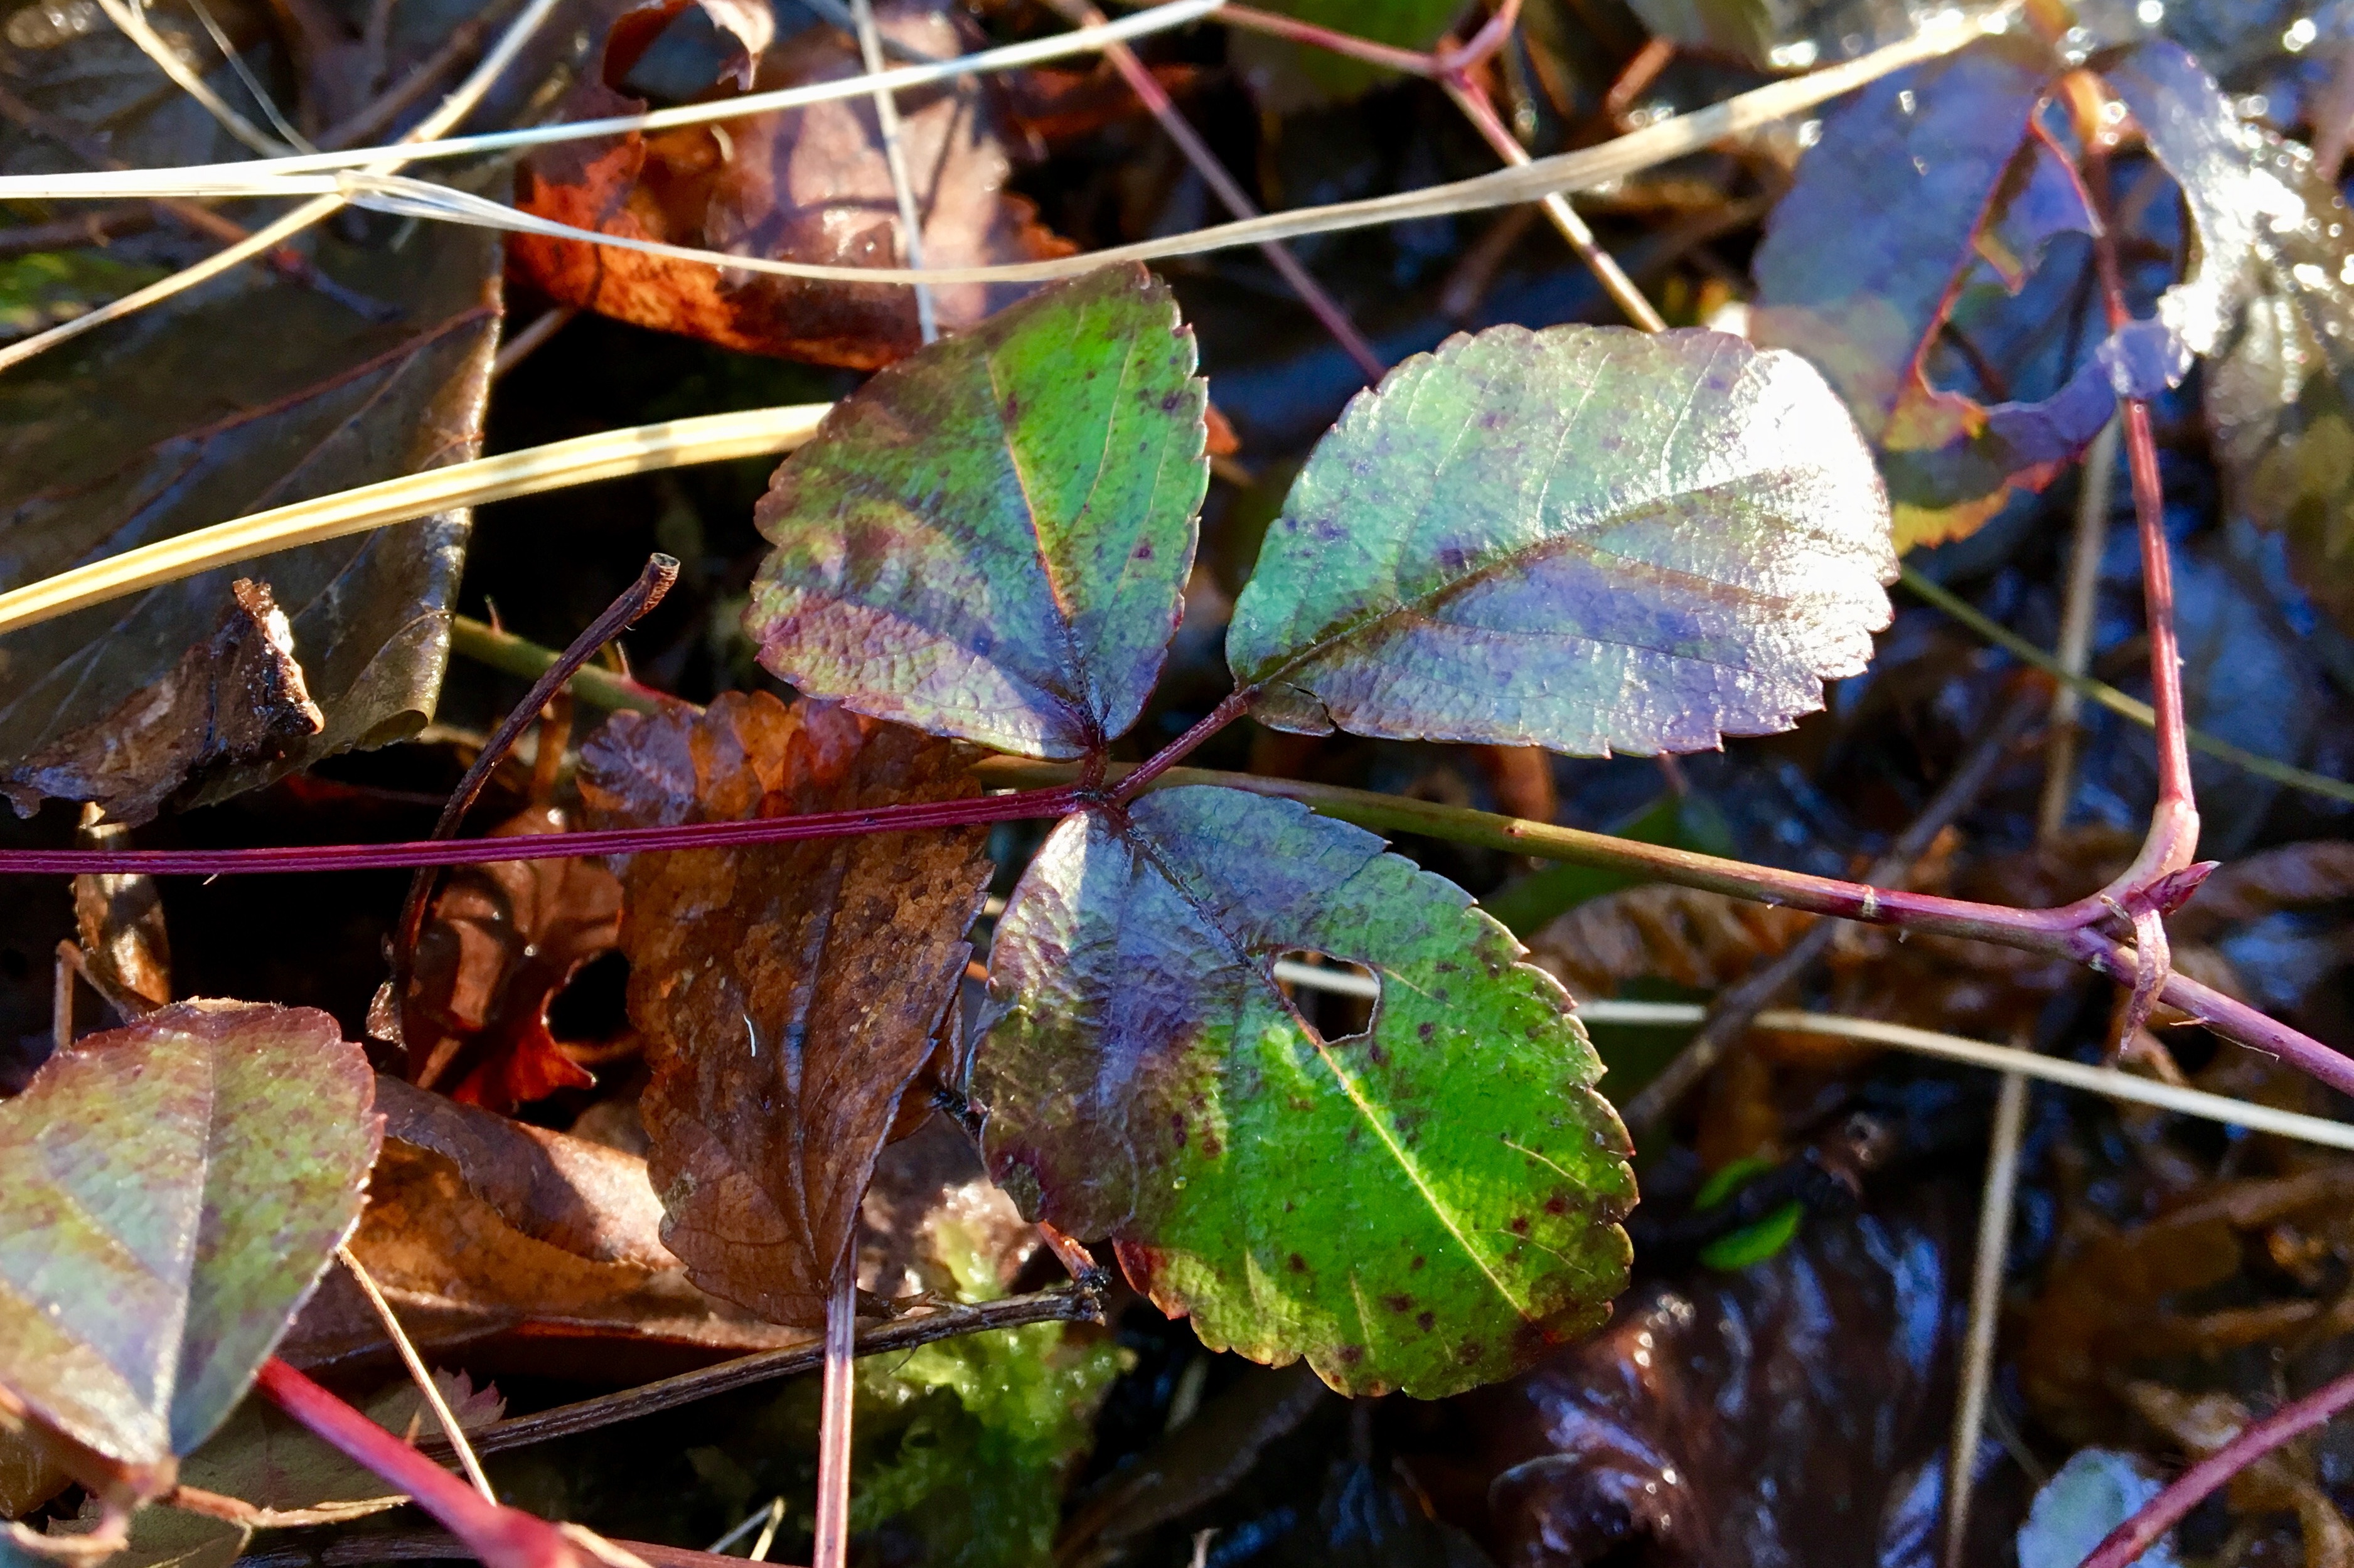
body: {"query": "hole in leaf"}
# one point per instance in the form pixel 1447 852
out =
pixel 593 1004
pixel 1336 999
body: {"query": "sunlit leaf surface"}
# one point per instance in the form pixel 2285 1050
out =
pixel 989 539
pixel 175 1188
pixel 1581 538
pixel 1428 1205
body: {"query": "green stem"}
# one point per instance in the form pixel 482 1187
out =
pixel 516 655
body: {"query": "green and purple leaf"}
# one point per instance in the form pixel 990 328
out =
pixel 1428 1205
pixel 1926 200
pixel 174 1190
pixel 990 538
pixel 1582 539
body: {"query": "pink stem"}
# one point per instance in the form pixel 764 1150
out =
pixel 1413 62
pixel 501 1536
pixel 1235 704
pixel 835 1409
pixel 2125 1544
pixel 546 846
pixel 1149 91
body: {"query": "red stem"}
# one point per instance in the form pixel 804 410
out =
pixel 1236 703
pixel 2125 1544
pixel 546 846
pixel 1413 62
pixel 501 1536
pixel 2174 828
pixel 836 1405
pixel 1231 196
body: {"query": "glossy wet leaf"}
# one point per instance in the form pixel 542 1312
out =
pixel 989 540
pixel 1427 1206
pixel 174 1190
pixel 1925 209
pixel 466 1281
pixel 2273 285
pixel 788 993
pixel 808 184
pixel 250 393
pixel 1582 539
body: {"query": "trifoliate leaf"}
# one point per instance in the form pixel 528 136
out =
pixel 1428 1205
pixel 989 539
pixel 1583 538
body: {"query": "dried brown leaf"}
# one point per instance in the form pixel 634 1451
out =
pixel 237 696
pixel 806 184
pixel 593 1202
pixel 788 993
pixel 502 940
pixel 459 1276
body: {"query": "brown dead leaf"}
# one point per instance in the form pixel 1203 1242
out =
pixel 501 940
pixel 788 993
pixel 807 184
pixel 593 1202
pixel 234 697
pixel 459 1276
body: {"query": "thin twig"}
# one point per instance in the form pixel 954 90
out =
pixel 420 1375
pixel 1986 1306
pixel 1729 1018
pixel 363 1549
pixel 911 219
pixel 2075 651
pixel 519 656
pixel 1230 194
pixel 653 582
pixel 831 1543
pixel 522 345
pixel 612 454
pixel 1473 100
pixel 668 1394
pixel 2125 1544
pixel 501 1536
pixel 1435 63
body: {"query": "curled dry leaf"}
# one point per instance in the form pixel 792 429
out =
pixel 459 1276
pixel 126 951
pixel 788 993
pixel 803 185
pixel 175 1188
pixel 593 1202
pixel 237 696
pixel 501 941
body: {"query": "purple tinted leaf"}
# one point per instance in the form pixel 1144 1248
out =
pixel 2140 359
pixel 1583 538
pixel 1429 1204
pixel 1859 258
pixel 174 1190
pixel 989 539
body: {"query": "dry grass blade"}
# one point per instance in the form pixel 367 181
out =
pixel 421 1375
pixel 447 117
pixel 895 156
pixel 132 21
pixel 2105 1081
pixel 278 175
pixel 641 449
